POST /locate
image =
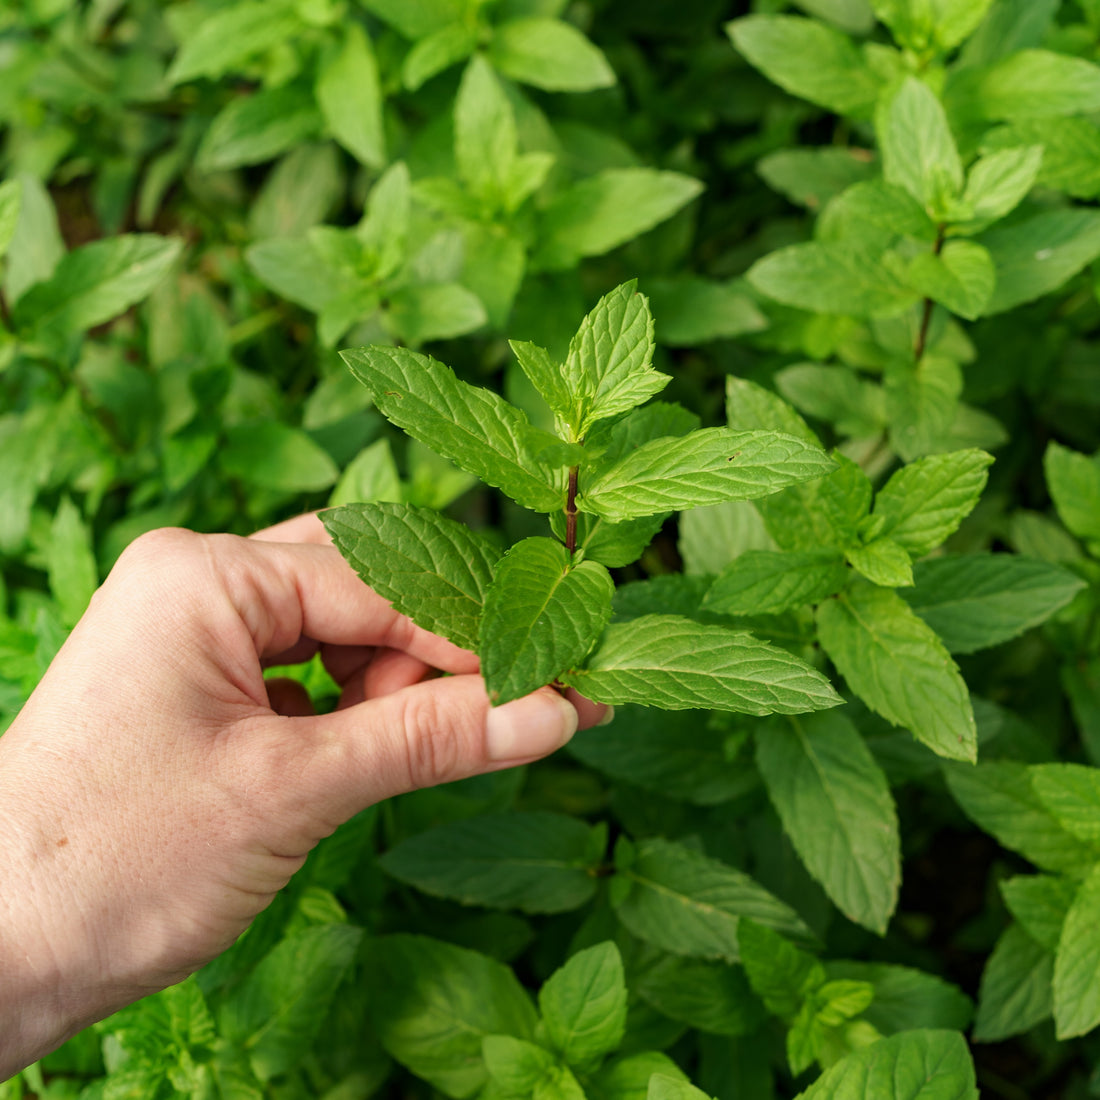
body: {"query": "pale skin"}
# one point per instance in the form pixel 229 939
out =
pixel 156 794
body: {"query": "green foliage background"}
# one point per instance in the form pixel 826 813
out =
pixel 869 223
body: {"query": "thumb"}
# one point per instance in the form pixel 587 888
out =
pixel 432 732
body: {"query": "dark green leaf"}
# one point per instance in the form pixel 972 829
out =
pixel 767 582
pixel 583 1005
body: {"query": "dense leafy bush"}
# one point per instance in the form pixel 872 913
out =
pixel 862 232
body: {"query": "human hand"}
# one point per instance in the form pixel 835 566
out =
pixel 155 793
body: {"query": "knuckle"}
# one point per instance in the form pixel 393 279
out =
pixel 433 741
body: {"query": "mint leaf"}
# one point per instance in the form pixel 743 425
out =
pixel 914 1065
pixel 517 1066
pixel 630 1077
pixel 535 862
pixel 906 998
pixel 1071 792
pixel 225 40
pixel 474 427
pixel 999 181
pixel 895 663
pixel 433 1003
pixel 811 177
pixel 762 582
pixel 664 1087
pixel 11 198
pixel 706 467
pixel 608 369
pixel 350 97
pixel 276 456
pixel 809 60
pixel 882 561
pixel 545 374
pixel 782 975
pixel 1033 84
pixel 1001 799
pixel 685 902
pixel 694 311
pixel 918 151
pixel 1040 904
pixel 254 128
pixel 486 142
pixel 1076 990
pixel 541 617
pixel 583 1005
pixel 429 567
pixel 549 54
pixel 711 996
pixel 1074 483
pixel 940 24
pixel 961 277
pixel 751 407
pixel 973 601
pixel 71 562
pixel 433 311
pixel 1016 987
pixel 925 501
pixel 677 664
pixel 836 395
pixel 835 805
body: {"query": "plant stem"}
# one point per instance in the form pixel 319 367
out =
pixel 571 511
pixel 926 319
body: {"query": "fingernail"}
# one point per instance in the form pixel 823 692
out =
pixel 608 718
pixel 535 725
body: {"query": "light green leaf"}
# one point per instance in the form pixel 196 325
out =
pixel 550 54
pixel 95 283
pixel 516 1065
pixel 782 975
pixel 583 1004
pixel 545 374
pixel 1077 963
pixel 811 177
pixel 1071 792
pixel 922 404
pixel 1033 84
pixel 416 18
pixel 874 214
pixel 434 311
pixel 485 132
pixel 276 456
pixel 711 996
pixel 542 616
pixel 224 41
pixel 11 199
pixel 1040 254
pixel 924 502
pixel 433 1003
pixel 430 568
pixel 906 998
pixel 924 24
pixel 608 370
pixel 841 277
pixel 973 601
pixel 534 861
pixel 835 394
pixel 710 538
pixel 1071 151
pixel 835 805
pixel 999 182
pixel 664 1087
pixel 629 1078
pixel 678 664
pixel 809 60
pixel 36 246
pixel 1015 992
pixel 292 268
pixel 685 902
pixel 350 97
pixel 882 561
pixel 606 210
pixel 436 52
pixel 258 127
pixel 895 663
pixel 370 476
pixel 276 1011
pixel 962 277
pixel 70 562
pixel 763 582
pixel 913 1065
pixel 1000 798
pixel 706 467
pixel 918 151
pixel 751 407
pixel 474 427
pixel 1074 483
pixel 1040 904
pixel 693 311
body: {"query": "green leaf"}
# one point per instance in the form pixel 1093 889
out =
pixel 485 132
pixel 545 374
pixel 873 215
pixel 713 997
pixel 811 177
pixel 436 52
pixel 914 1065
pixel 275 1013
pixel 809 60
pixel 685 902
pixel 629 1078
pixel 1015 992
pixel 1071 792
pixel 706 467
pixel 918 151
pixel 664 1087
pixel 474 427
pixel 836 395
pixel 276 456
pixel 1077 963
pixel 430 568
pixel 70 562
pixel 292 268
pixel 1031 84
pixel 416 18
pixel 370 476
pixel 608 370
pixel 1038 255
pixel 882 561
pixel 534 861
pixel 765 582
pixel 96 282
pixel 549 54
pixel 226 40
pixel 254 128
pixel 608 209
pixel 1040 904
pixel 973 601
pixel 11 199
pixel 835 805
pixel 922 405
pixel 583 1005
pixel 516 1065
pixel 36 246
pixel 1071 151
pixel 782 975
pixel 924 502
pixel 961 277
pixel 906 998
pixel 842 277
pixel 1000 798
pixel 1074 483
pixel 895 663
pixel 999 182
pixel 678 664
pixel 939 24
pixel 434 311
pixel 542 616
pixel 433 1004
pixel 694 311
pixel 710 538
pixel 350 97
pixel 751 407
